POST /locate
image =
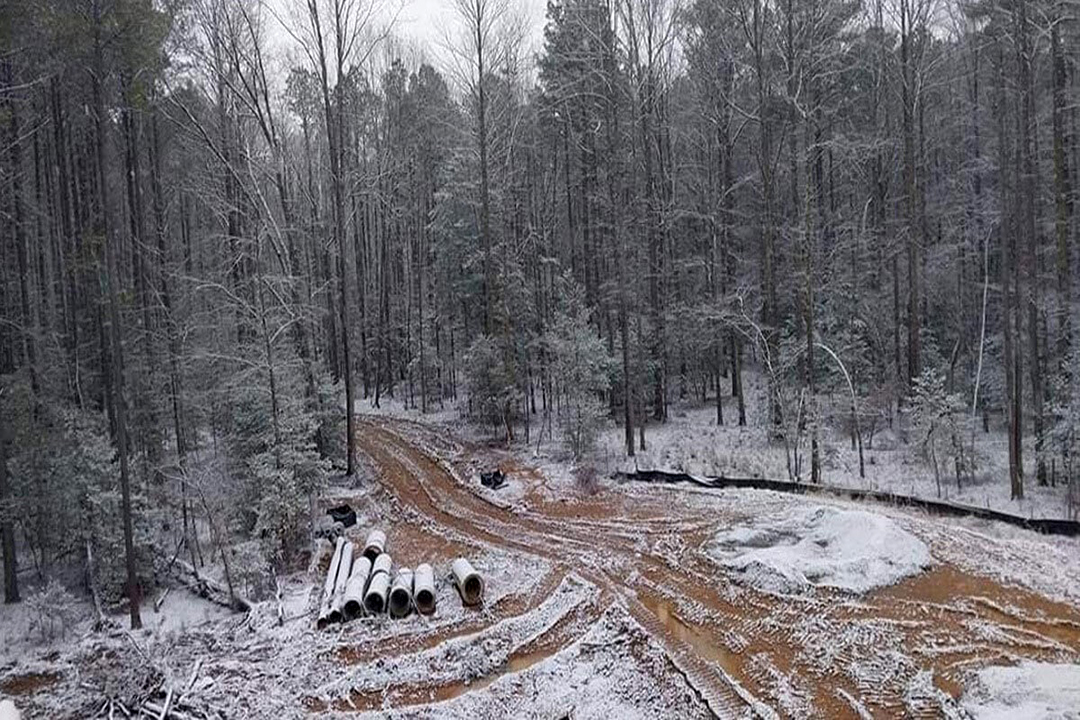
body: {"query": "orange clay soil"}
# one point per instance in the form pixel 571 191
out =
pixel 817 654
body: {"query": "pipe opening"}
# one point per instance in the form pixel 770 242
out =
pixel 425 601
pixel 335 616
pixel 399 602
pixel 472 589
pixel 374 604
pixel 353 608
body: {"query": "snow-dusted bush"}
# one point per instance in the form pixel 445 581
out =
pixel 274 448
pixel 253 574
pixel 52 610
pixel 65 477
pixel 491 383
pixel 938 417
pixel 587 478
pixel 581 368
pixel 287 475
pixel 330 421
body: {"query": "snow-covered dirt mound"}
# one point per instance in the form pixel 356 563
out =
pixel 1031 690
pixel 823 546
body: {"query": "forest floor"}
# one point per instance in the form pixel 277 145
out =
pixel 608 599
pixel 690 441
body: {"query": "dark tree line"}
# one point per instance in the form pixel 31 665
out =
pixel 203 257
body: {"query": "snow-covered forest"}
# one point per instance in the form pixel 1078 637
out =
pixel 829 242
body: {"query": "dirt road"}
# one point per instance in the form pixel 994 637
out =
pixel 901 651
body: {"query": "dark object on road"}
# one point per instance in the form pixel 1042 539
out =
pixel 494 479
pixel 343 514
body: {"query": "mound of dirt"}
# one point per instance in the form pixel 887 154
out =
pixel 1040 691
pixel 820 546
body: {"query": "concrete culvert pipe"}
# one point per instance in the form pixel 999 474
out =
pixel 378 586
pixel 381 564
pixel 375 545
pixel 354 589
pixel 424 589
pixel 401 594
pixel 328 587
pixel 468 581
pixel 344 569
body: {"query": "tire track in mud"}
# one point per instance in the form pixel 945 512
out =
pixel 401 468
pixel 807 655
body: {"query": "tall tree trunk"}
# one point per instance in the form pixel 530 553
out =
pixel 7 525
pixel 914 235
pixel 111 281
pixel 176 381
pixel 22 252
pixel 333 114
pixel 1009 280
pixel 1062 197
pixel 147 425
pixel 479 26
pixel 68 224
pixel 1028 183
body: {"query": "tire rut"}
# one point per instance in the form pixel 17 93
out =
pixel 737 646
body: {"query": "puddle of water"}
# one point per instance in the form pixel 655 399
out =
pixel 516 663
pixel 688 633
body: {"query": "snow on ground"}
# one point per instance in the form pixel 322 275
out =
pixel 1044 563
pixel 615 670
pixel 820 545
pixel 449 413
pixel 1030 690
pixel 180 611
pixel 536 649
pixel 691 442
pixel 1047 564
pixel 471 656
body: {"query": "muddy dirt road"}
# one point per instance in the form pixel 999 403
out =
pixel 902 651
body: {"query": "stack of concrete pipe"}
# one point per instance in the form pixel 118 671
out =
pixel 361 581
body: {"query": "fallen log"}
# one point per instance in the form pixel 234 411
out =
pixel 161 599
pixel 209 589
